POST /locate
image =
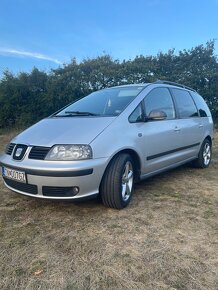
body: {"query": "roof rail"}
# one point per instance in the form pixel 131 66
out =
pixel 173 84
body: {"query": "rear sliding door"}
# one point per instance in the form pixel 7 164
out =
pixel 189 124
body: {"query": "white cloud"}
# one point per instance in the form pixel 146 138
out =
pixel 15 52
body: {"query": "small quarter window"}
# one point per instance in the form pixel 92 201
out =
pixel 201 105
pixel 136 115
pixel 185 104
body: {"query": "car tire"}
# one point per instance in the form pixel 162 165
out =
pixel 117 183
pixel 204 156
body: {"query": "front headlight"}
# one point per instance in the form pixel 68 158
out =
pixel 69 152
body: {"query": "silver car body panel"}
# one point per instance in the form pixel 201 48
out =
pixel 62 130
pixel 160 145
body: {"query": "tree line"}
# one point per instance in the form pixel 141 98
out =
pixel 28 97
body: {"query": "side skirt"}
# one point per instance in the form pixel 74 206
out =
pixel 147 175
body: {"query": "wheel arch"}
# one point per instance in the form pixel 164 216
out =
pixel 208 137
pixel 136 159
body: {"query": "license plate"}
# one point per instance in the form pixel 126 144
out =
pixel 14 174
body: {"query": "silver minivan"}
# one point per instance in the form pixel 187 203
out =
pixel 107 141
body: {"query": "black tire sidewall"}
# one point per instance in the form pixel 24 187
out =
pixel 201 158
pixel 111 184
pixel 126 202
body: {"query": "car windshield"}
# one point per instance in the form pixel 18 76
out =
pixel 107 102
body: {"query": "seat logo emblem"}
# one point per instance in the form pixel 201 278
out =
pixel 18 152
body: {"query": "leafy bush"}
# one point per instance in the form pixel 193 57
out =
pixel 27 98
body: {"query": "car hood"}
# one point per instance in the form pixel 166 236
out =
pixel 66 130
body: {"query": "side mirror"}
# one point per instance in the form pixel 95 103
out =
pixel 156 115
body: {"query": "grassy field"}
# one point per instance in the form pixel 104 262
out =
pixel 166 239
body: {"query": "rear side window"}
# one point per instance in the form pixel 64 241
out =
pixel 160 99
pixel 201 105
pixel 185 104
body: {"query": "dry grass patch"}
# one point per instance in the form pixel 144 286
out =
pixel 166 239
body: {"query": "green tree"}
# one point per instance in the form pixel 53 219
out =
pixel 28 97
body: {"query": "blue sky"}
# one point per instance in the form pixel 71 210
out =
pixel 47 33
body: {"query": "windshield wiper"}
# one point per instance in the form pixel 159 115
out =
pixel 76 113
pixel 81 113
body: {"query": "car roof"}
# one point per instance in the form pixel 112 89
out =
pixel 159 82
pixel 130 85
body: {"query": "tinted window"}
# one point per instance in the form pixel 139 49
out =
pixel 160 100
pixel 201 105
pixel 185 104
pixel 136 115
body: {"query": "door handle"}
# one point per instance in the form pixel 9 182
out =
pixel 201 126
pixel 176 129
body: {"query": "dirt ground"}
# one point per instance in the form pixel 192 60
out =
pixel 167 238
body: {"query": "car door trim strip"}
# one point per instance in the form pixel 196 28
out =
pixel 171 151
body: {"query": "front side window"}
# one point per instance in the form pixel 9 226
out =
pixel 160 99
pixel 108 102
pixel 185 104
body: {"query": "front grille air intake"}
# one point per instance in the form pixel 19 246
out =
pixel 38 152
pixel 57 191
pixel 9 148
pixel 26 188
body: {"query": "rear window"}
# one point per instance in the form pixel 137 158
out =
pixel 201 105
pixel 185 104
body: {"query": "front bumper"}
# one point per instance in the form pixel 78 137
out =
pixel 44 176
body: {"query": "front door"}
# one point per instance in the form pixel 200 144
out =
pixel 160 139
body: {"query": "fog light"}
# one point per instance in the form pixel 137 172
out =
pixel 75 189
